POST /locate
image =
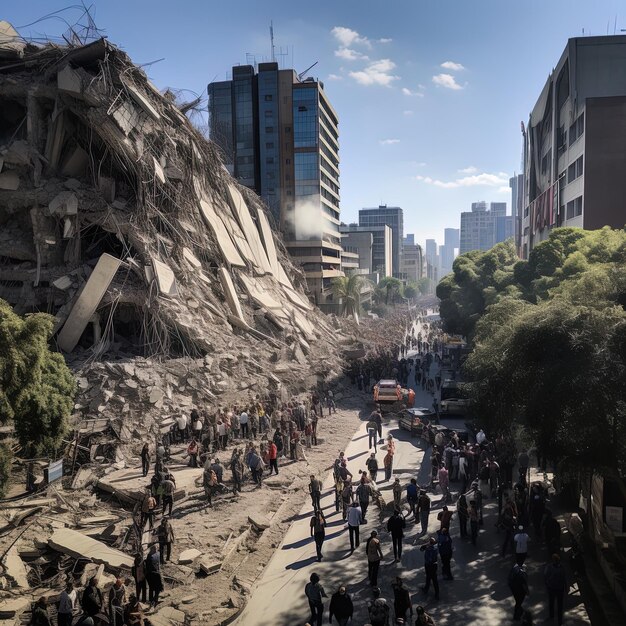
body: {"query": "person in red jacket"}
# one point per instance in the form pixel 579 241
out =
pixel 272 452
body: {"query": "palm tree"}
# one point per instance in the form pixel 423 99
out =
pixel 348 288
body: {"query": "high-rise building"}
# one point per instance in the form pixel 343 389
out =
pixel 431 252
pixel 279 136
pixel 392 217
pixel 574 149
pixel 483 228
pixel 516 183
pixel 449 250
pixel 382 245
pixel 412 268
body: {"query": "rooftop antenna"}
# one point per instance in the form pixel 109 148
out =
pixel 272 40
pixel 301 74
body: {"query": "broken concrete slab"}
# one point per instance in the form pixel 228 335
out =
pixel 230 293
pixel 259 521
pixel 64 203
pixel 126 116
pixel 9 180
pixel 76 163
pixel 88 301
pixel 258 292
pixel 191 258
pixel 209 565
pixel 70 82
pixel 188 556
pixel 15 569
pixel 142 101
pixel 227 247
pixel 63 283
pixel 158 171
pixel 268 242
pixel 14 606
pixel 168 616
pixel 98 519
pixel 79 546
pixel 165 278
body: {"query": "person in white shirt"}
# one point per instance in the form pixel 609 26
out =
pixel 355 517
pixel 243 424
pixel 222 433
pixel 181 422
pixel 481 437
pixel 67 605
pixel 521 545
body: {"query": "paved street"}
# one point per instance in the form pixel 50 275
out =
pixel 478 595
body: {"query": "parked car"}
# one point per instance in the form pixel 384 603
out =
pixel 387 390
pixel 455 406
pixel 415 420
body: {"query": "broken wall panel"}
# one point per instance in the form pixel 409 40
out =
pixel 227 247
pixel 88 302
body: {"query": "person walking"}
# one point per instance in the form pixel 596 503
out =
pixel 314 593
pixel 145 459
pixel 372 431
pixel 518 584
pixel 67 605
pixel 444 541
pixel 165 535
pixel 445 518
pixel 168 494
pixel 148 505
pixel 556 584
pixel 138 572
pixel 474 521
pixel 374 557
pixel 346 498
pixel 372 467
pixel 341 607
pixel 463 513
pixel 153 575
pixel 318 532
pixel 315 490
pixel 355 519
pixel 401 601
pixel 272 455
pixel 396 525
pixel 412 496
pixel 193 450
pixel 430 566
pixel 388 460
pixel 237 469
pixel 423 508
pixel 521 545
pixel 397 493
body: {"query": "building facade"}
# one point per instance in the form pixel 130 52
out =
pixel 516 183
pixel 483 228
pixel 392 217
pixel 449 250
pixel 412 260
pixel 279 136
pixel 382 245
pixel 574 149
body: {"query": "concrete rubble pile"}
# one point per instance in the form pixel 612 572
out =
pixel 117 217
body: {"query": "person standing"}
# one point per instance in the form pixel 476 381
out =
pixel 423 508
pixel 40 615
pixel 354 521
pixel 193 449
pixel 67 605
pixel 147 509
pixel 168 494
pixel 314 593
pixel 363 493
pixel 445 518
pixel 521 545
pixel 556 584
pixel 92 598
pixel 401 601
pixel 181 423
pixel 341 607
pixel 445 552
pixel 372 431
pixel 153 575
pixel 117 601
pixel 222 434
pixel 237 469
pixel 374 557
pixel 518 584
pixel 243 424
pixel 430 566
pixel 145 459
pixel 411 497
pixel 372 467
pixel 388 460
pixel 318 532
pixel 315 490
pixel 396 525
pixel 138 572
pixel 463 513
pixel 272 454
pixel 474 521
pixel 165 534
pixel 397 493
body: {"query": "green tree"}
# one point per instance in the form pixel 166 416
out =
pixel 389 289
pixel 36 386
pixel 410 291
pixel 348 288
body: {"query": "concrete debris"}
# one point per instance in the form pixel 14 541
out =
pixel 9 180
pixel 79 546
pixel 209 565
pixel 188 556
pixel 260 522
pixel 15 569
pixel 14 606
pixel 168 616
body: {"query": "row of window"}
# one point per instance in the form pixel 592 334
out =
pixel 574 208
pixel 577 128
pixel 574 171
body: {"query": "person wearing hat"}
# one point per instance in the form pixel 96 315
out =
pixel 314 593
pixel 431 556
pixel 521 545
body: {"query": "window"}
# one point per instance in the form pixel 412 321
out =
pixel 268 97
pixel 575 169
pixel 562 181
pixel 302 109
pixel 574 208
pixel 269 113
pixel 577 128
pixel 269 129
pixel 287 161
pixel 581 124
pixel 287 129
pixel 269 159
pixel 269 145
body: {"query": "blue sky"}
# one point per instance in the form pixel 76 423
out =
pixel 430 93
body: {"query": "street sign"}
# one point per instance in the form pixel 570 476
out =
pixel 54 471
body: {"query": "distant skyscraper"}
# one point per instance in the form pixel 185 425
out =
pixel 449 250
pixel 412 268
pixel 393 217
pixel 481 229
pixel 279 136
pixel 516 183
pixel 381 248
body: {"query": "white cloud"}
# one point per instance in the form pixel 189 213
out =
pixel 407 92
pixel 388 142
pixel 478 180
pixel 348 54
pixel 468 170
pixel 348 37
pixel 504 189
pixel 408 113
pixel 376 73
pixel 451 65
pixel 446 80
pixel 335 77
pixel 384 40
